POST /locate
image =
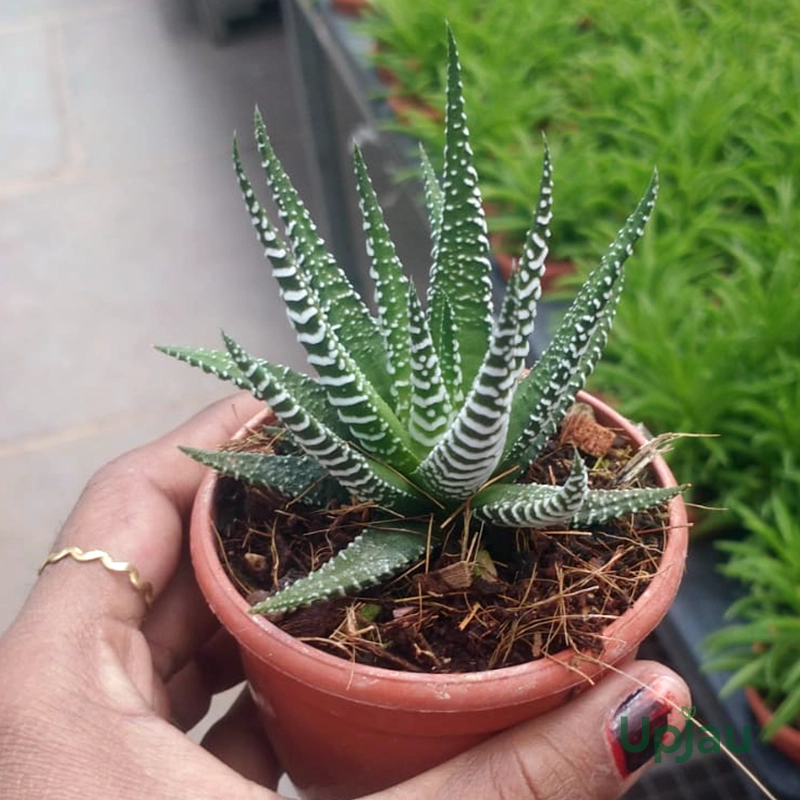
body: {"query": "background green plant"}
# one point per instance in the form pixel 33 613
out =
pixel 763 651
pixel 706 340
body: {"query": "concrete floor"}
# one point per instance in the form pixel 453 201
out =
pixel 121 226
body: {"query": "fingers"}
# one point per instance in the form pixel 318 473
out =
pixel 594 748
pixel 180 622
pixel 216 668
pixel 135 509
pixel 238 741
pixel 220 662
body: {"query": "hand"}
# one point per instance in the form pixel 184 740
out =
pixel 95 694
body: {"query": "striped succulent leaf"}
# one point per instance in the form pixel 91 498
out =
pixel 307 391
pixel 547 392
pixel 449 356
pixel 461 271
pixel 361 475
pixel 431 409
pixel 300 478
pixel 534 254
pixel 359 406
pixel 339 302
pixel 434 199
pixel 420 412
pixel 533 504
pixel 213 362
pixel 375 554
pixel 468 453
pixel 391 290
pixel 602 505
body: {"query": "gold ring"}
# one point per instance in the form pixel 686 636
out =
pixel 144 587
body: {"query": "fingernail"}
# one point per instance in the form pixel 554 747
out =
pixel 641 720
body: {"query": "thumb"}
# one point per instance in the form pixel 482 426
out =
pixel 591 749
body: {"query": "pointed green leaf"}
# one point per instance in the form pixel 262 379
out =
pixel 376 554
pixel 449 357
pixel 545 395
pixel 788 709
pixel 531 504
pixel 359 406
pixel 339 302
pixel 307 390
pixel 461 271
pixel 299 478
pixel 213 362
pixel 468 453
pixel 391 290
pixel 534 253
pixel 430 406
pixel 434 199
pixel 604 504
pixel 363 477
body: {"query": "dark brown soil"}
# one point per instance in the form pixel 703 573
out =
pixel 529 594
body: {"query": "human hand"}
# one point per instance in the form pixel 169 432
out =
pixel 96 692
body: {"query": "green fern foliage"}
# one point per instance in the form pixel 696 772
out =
pixel 420 410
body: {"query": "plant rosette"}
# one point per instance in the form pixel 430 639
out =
pixel 425 436
pixel 786 738
pixel 343 729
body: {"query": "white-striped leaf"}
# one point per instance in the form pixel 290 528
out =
pixel 300 478
pixel 468 453
pixel 219 363
pixel 461 271
pixel 362 476
pixel 431 410
pixel 602 505
pixel 534 505
pixel 545 395
pixel 375 554
pixel 391 289
pixel 213 362
pixel 449 356
pixel 534 254
pixel 340 303
pixel 359 406
pixel 434 199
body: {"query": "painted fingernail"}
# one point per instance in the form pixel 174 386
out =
pixel 640 723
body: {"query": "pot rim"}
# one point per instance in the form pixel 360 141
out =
pixel 334 675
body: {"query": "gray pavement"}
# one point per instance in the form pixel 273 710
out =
pixel 121 227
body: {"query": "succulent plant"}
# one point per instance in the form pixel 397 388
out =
pixel 423 413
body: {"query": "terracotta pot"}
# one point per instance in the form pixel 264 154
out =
pixel 405 107
pixel 787 739
pixel 342 729
pixel 403 104
pixel 556 268
pixel 351 8
pixel 388 77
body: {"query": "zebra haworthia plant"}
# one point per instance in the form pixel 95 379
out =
pixel 420 412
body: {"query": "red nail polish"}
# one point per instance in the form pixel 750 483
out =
pixel 637 728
